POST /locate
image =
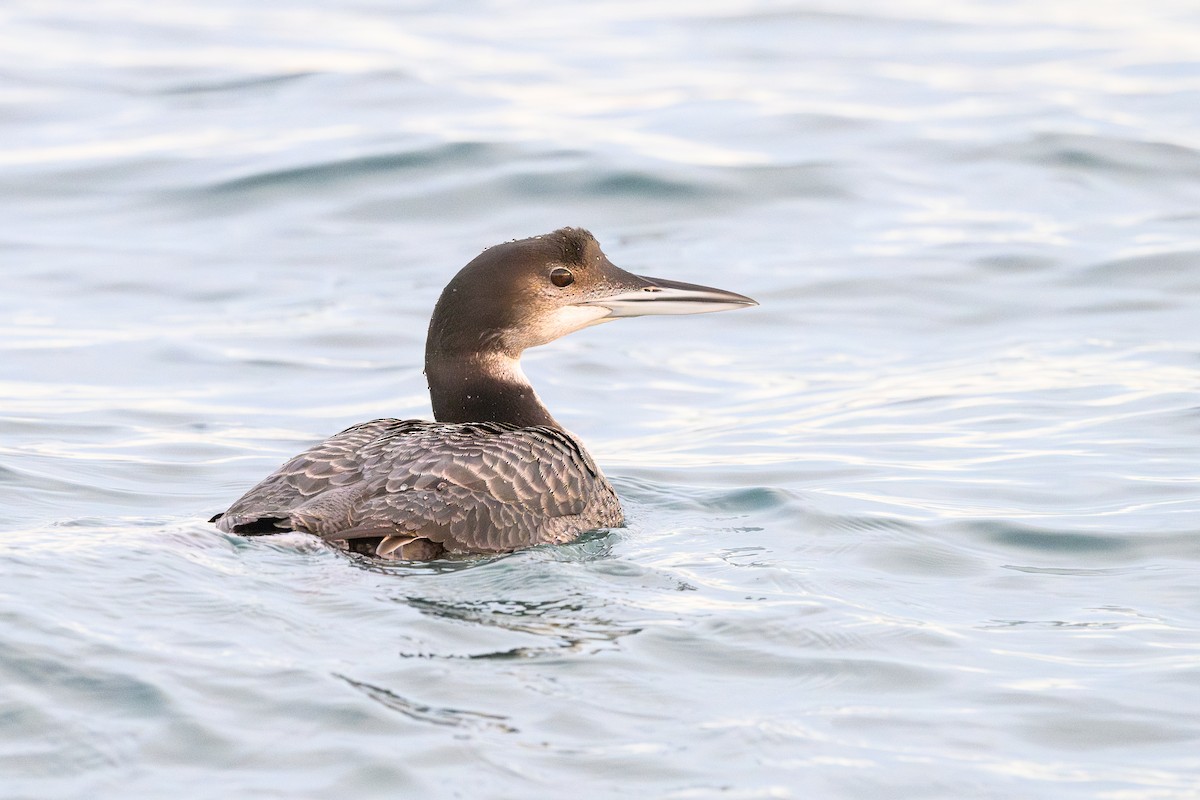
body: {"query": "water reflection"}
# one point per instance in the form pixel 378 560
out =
pixel 453 717
pixel 561 627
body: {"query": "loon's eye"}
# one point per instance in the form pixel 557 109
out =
pixel 561 276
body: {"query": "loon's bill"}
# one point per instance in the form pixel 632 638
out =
pixel 661 296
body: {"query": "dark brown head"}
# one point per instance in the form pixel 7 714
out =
pixel 532 291
pixel 521 294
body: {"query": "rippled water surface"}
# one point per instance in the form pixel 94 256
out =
pixel 924 524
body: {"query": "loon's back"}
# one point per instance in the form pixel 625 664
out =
pixel 411 489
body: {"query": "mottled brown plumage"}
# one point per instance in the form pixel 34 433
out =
pixel 468 488
pixel 496 473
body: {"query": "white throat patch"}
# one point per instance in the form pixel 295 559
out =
pixel 567 320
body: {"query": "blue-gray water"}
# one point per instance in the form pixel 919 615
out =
pixel 924 524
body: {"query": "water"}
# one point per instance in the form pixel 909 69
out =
pixel 924 524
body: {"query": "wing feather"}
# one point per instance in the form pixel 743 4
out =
pixel 478 487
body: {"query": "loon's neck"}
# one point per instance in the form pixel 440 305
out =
pixel 483 387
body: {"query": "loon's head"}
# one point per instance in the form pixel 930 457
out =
pixel 532 291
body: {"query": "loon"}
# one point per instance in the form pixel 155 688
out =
pixel 495 472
